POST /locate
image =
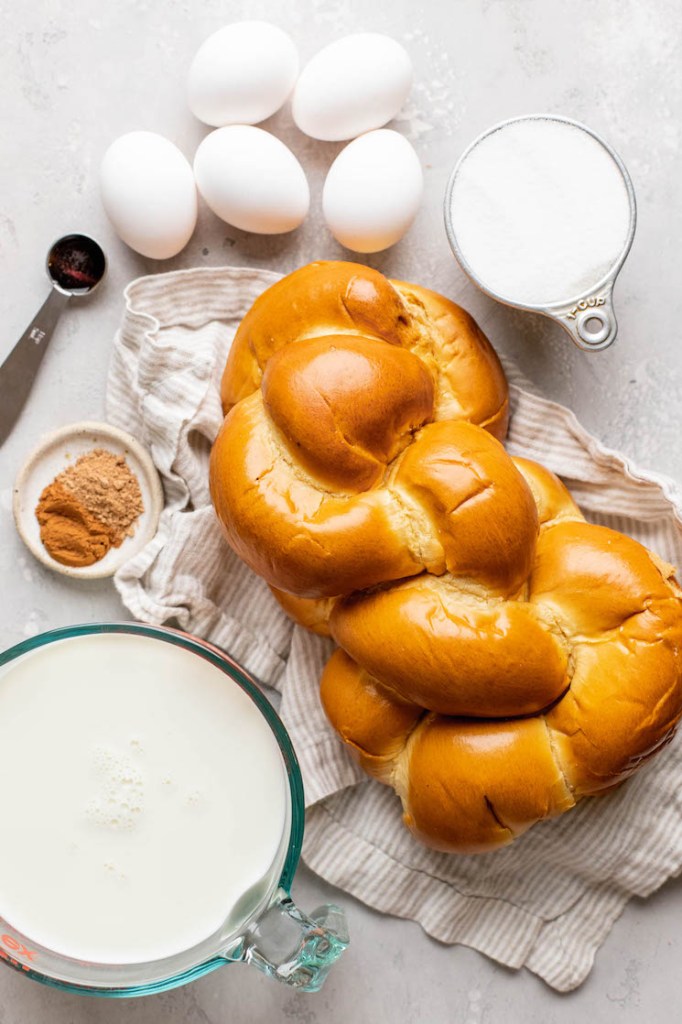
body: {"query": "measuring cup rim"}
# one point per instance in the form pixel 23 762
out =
pixel 606 280
pixel 223 661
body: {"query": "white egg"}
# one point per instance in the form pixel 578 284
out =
pixel 251 180
pixel 149 194
pixel 352 86
pixel 373 191
pixel 242 74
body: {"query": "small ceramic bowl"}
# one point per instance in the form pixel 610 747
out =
pixel 55 453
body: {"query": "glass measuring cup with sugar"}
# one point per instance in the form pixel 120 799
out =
pixel 540 213
pixel 155 817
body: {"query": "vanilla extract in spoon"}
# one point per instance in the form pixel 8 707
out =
pixel 75 264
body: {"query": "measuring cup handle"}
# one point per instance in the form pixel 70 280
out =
pixel 591 321
pixel 290 946
pixel 21 365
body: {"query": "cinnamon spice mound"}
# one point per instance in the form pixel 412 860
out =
pixel 89 508
pixel 71 535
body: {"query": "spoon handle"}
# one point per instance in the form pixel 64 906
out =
pixel 18 371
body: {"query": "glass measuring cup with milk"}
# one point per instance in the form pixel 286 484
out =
pixel 154 818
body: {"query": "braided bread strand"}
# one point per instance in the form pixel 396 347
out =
pixel 470 784
pixel 500 658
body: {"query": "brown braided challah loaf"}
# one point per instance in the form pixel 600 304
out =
pixel 331 375
pixel 499 657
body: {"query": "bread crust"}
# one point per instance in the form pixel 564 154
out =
pixel 499 657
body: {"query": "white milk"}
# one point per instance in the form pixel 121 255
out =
pixel 143 796
pixel 540 211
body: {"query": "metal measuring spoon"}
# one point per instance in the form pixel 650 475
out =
pixel 589 317
pixel 75 265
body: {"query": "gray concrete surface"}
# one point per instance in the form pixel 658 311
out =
pixel 74 75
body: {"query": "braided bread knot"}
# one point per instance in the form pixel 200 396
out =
pixel 499 658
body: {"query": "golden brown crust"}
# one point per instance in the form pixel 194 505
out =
pixel 474 786
pixel 372 720
pixel 346 406
pixel 297 536
pixel 454 502
pixel 500 657
pixel 309 612
pixel 614 612
pixel 346 370
pixel 320 299
pixel 459 656
pixel 552 499
pixel 479 505
pixel 337 297
pixel 471 382
pixel 623 617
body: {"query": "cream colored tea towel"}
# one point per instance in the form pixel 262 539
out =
pixel 548 901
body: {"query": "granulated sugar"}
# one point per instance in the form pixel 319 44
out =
pixel 540 211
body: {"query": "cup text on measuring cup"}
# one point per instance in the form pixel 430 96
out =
pixel 17 947
pixel 595 300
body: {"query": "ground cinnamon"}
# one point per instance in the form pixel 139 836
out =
pixel 89 508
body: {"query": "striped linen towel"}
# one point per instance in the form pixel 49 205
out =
pixel 548 901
